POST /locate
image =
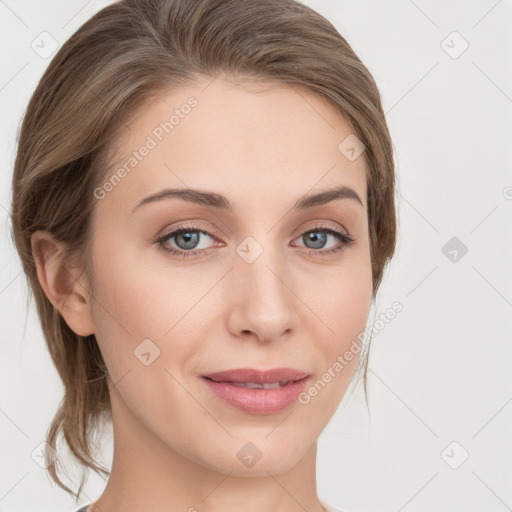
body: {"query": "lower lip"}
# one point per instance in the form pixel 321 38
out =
pixel 257 401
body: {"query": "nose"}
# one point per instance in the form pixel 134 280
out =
pixel 262 303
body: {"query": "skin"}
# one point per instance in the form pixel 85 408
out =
pixel 263 146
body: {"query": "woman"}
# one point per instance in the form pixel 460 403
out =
pixel 203 203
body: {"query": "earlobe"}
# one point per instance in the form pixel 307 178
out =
pixel 62 285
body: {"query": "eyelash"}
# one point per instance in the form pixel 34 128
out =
pixel 344 239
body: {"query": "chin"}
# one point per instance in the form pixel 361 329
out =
pixel 260 456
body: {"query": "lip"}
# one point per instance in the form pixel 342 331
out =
pixel 257 401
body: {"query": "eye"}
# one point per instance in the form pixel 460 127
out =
pixel 188 241
pixel 317 238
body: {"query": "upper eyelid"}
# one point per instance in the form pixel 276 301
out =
pixel 213 233
pixel 210 232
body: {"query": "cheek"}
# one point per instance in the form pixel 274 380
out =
pixel 341 312
pixel 342 296
pixel 133 295
pixel 138 299
pixel 138 318
pixel 127 310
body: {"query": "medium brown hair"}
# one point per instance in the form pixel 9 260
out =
pixel 123 56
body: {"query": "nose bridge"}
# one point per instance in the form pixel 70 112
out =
pixel 264 300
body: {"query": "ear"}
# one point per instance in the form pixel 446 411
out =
pixel 63 286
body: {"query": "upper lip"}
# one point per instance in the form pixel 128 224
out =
pixel 257 376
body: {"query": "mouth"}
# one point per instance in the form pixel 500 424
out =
pixel 257 392
pixel 274 377
pixel 256 385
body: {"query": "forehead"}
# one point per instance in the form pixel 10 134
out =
pixel 255 137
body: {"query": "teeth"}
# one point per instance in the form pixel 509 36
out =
pixel 266 385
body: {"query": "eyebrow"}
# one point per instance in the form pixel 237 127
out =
pixel 219 201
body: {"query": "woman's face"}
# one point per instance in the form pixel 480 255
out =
pixel 253 281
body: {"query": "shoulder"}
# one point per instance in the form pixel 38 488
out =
pixel 328 507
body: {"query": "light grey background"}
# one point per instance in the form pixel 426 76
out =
pixel 440 385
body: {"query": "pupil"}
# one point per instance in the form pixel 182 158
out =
pixel 318 241
pixel 191 239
